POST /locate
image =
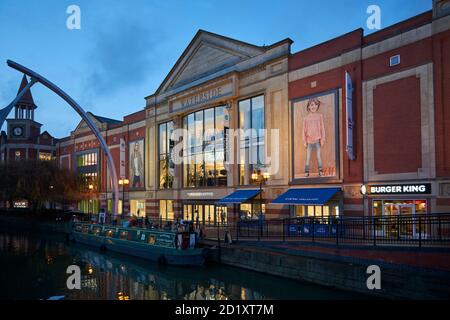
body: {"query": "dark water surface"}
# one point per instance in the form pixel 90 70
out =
pixel 33 266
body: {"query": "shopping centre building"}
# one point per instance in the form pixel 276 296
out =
pixel 358 125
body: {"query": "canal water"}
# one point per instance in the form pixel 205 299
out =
pixel 34 265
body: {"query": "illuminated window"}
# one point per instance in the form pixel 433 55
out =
pixel 137 208
pixel 204 148
pixel 87 159
pixel 45 156
pixel 166 209
pixel 251 211
pixel 251 145
pixel 166 165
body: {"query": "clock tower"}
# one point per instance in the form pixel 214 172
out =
pixel 23 139
pixel 23 126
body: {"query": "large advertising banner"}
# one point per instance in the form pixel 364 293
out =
pixel 136 162
pixel 122 158
pixel 315 136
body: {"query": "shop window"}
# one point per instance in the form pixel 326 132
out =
pixel 204 148
pixel 252 142
pixel 251 211
pixel 322 214
pixel 205 214
pixel 87 159
pixel 394 207
pixel 110 203
pixel 166 165
pixel 45 156
pixel 166 210
pixel 137 208
pixel 89 206
pixel 399 217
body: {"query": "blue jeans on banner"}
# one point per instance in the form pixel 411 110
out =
pixel 317 147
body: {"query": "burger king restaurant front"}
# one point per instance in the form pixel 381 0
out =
pixel 394 201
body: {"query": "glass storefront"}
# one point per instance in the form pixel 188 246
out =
pixel 205 214
pixel 87 159
pixel 110 204
pixel 166 165
pixel 137 208
pixel 88 206
pixel 45 156
pixel 251 211
pixel 252 145
pixel 398 218
pixel 383 208
pixel 87 169
pixel 204 148
pixel 166 210
pixel 322 214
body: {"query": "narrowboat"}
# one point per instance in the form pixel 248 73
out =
pixel 168 247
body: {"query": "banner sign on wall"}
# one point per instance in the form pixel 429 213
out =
pixel 316 136
pixel 136 164
pixel 349 111
pixel 122 158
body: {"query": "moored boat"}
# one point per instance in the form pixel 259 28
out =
pixel 170 247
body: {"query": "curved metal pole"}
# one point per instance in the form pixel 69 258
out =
pixel 5 111
pixel 37 77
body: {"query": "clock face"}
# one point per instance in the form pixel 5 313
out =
pixel 17 131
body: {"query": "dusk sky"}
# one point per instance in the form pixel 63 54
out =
pixel 125 48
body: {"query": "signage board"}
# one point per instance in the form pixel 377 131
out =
pixel 414 188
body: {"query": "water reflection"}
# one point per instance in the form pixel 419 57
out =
pixel 34 267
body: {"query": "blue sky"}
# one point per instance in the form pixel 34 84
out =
pixel 125 48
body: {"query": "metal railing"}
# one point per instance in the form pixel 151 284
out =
pixel 413 230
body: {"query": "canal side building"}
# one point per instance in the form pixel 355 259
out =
pixel 385 99
pixel 355 126
pixel 23 139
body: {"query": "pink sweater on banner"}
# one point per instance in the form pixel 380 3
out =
pixel 313 128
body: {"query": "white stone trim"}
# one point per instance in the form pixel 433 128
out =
pixel 326 65
pixel 396 42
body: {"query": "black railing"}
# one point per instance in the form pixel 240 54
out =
pixel 416 230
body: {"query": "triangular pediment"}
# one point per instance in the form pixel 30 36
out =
pixel 82 125
pixel 207 54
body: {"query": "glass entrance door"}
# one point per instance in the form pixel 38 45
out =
pixel 400 220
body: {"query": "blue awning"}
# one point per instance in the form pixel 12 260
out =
pixel 312 196
pixel 239 196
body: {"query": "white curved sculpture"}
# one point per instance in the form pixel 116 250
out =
pixel 35 77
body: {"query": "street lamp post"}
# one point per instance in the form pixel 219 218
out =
pixel 91 210
pixel 261 178
pixel 123 182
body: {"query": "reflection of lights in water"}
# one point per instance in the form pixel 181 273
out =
pixel 90 270
pixel 89 284
pixel 243 295
pixel 122 296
